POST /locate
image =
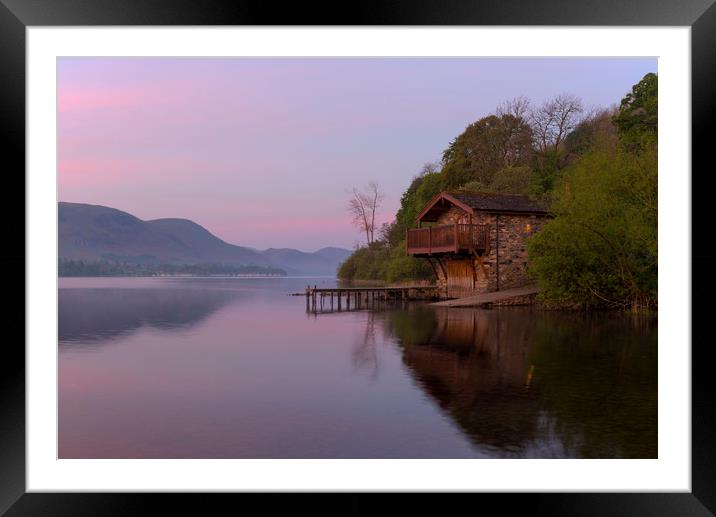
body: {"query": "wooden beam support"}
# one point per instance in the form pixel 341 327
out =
pixel 474 271
pixel 430 261
pixel 442 268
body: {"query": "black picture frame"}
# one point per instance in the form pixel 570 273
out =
pixel 17 15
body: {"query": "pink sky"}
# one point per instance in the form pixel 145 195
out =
pixel 262 152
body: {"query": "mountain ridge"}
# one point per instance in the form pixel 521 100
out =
pixel 97 232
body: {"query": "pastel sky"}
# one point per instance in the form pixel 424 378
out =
pixel 262 151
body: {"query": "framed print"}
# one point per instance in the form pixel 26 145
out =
pixel 418 250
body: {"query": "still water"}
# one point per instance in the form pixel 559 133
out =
pixel 236 368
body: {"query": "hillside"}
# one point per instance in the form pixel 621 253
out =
pixel 94 233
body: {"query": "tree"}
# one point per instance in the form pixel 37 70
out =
pixel 519 107
pixel 637 118
pixel 510 180
pixel 601 247
pixel 596 128
pixel 551 123
pixel 366 263
pixel 554 120
pixel 422 189
pixel 363 206
pixel 598 170
pixel 486 146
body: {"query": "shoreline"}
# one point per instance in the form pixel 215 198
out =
pixel 531 300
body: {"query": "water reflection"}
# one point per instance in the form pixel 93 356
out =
pixel 526 384
pixel 92 317
pixel 233 368
pixel 365 356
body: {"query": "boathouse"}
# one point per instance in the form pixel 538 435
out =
pixel 476 241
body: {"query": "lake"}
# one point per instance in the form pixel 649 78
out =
pixel 236 368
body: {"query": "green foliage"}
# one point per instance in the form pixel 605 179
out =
pixel 402 267
pixel 548 170
pixel 422 190
pixel 601 247
pixel 379 261
pixel 637 118
pixel 510 180
pixel 385 259
pixel 366 263
pixel 393 234
pixel 513 180
pixel 598 129
pixel 486 146
pixel 601 178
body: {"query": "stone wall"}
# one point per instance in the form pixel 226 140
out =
pixel 510 258
pixel 454 215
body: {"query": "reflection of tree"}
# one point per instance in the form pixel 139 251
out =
pixel 528 384
pixel 365 354
pixel 598 377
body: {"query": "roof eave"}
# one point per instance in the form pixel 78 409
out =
pixel 448 197
pixel 514 212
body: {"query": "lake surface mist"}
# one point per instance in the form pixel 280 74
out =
pixel 235 368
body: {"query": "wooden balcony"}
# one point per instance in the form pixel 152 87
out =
pixel 449 238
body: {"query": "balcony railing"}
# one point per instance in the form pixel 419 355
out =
pixel 449 238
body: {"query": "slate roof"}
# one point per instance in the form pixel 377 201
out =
pixel 499 202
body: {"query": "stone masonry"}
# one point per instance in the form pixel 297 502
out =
pixel 508 253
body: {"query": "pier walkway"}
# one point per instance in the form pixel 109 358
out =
pixel 487 298
pixel 336 299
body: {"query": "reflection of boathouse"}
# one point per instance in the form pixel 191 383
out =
pixel 477 368
pixel 473 340
pixel 520 384
pixel 475 242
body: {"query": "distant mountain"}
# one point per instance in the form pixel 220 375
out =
pixel 333 253
pixel 322 262
pixel 93 232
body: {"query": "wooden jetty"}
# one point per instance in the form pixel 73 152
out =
pixel 340 299
pixel 490 298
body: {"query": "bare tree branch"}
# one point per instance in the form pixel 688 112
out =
pixel 554 119
pixel 519 107
pixel 363 206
